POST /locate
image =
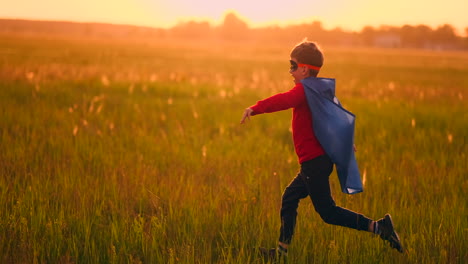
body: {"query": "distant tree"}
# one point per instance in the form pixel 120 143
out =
pixel 233 27
pixel 315 27
pixel 368 34
pixel 445 34
pixel 336 36
pixel 465 39
pixel 192 29
pixel 408 36
pixel 415 36
pixel 314 31
pixel 270 33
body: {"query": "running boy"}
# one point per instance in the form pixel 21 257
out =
pixel 316 165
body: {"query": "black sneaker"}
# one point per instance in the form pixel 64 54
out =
pixel 388 233
pixel 272 255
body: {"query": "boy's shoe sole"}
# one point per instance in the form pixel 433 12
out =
pixel 389 234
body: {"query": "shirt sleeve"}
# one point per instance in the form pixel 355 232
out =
pixel 281 101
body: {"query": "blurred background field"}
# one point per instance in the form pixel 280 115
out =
pixel 132 152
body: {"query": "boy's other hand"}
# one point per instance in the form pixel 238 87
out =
pixel 247 113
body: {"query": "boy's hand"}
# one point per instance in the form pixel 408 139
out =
pixel 247 113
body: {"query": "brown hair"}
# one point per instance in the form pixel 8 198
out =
pixel 308 52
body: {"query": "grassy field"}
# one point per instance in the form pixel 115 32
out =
pixel 132 152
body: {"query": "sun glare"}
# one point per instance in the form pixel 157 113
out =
pixel 352 15
pixel 157 13
pixel 255 13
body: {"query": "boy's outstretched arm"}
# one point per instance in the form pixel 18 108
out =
pixel 247 113
pixel 275 103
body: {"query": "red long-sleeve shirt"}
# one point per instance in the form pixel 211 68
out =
pixel 305 143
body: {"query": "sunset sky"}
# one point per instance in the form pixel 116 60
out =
pixel 349 15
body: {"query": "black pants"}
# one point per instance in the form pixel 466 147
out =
pixel 313 181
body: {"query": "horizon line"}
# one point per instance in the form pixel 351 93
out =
pixel 462 32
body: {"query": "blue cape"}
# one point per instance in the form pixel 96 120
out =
pixel 334 128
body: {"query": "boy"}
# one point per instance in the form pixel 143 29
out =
pixel 315 161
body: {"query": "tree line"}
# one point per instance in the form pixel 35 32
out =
pixel 234 29
pixel 407 36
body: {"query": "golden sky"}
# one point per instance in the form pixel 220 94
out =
pixel 347 14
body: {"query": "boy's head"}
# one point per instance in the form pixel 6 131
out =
pixel 306 60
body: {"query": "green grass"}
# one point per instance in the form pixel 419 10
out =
pixel 132 152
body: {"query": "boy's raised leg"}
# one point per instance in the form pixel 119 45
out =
pixel 388 233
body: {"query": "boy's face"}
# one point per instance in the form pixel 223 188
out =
pixel 298 73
